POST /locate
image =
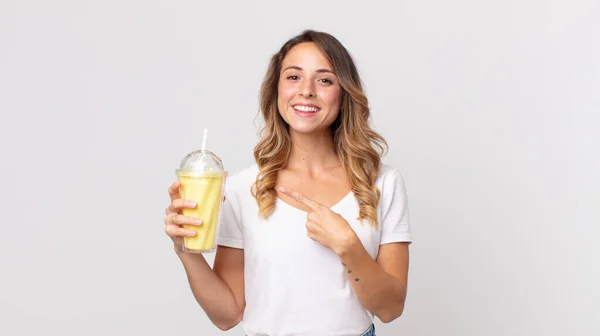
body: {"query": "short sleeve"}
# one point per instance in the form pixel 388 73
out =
pixel 395 221
pixel 230 229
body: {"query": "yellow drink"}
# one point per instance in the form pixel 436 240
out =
pixel 206 189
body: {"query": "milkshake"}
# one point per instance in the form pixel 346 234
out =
pixel 206 190
pixel 202 180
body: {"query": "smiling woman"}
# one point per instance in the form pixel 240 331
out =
pixel 314 236
pixel 304 91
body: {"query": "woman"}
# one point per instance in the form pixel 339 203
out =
pixel 314 236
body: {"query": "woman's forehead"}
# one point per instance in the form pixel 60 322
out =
pixel 306 56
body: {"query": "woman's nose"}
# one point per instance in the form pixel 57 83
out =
pixel 307 90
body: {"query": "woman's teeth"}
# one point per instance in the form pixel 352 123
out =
pixel 305 108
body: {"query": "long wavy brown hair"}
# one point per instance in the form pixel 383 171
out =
pixel 357 145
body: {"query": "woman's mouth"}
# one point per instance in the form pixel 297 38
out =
pixel 305 111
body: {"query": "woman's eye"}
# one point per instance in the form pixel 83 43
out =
pixel 327 81
pixel 293 77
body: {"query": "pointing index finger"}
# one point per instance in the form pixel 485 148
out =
pixel 301 198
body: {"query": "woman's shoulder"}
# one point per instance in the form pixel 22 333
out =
pixel 387 172
pixel 241 180
pixel 389 178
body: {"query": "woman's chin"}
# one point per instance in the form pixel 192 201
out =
pixel 302 130
pixel 305 128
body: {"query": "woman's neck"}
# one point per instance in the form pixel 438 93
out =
pixel 312 153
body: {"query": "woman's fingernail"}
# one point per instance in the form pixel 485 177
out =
pixel 192 204
pixel 198 221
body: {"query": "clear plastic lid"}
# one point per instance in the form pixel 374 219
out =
pixel 202 162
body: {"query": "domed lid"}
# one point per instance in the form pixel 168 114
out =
pixel 202 162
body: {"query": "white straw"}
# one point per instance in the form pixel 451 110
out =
pixel 204 139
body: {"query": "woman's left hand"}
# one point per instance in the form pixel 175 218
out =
pixel 325 226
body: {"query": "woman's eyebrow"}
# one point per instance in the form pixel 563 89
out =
pixel 295 67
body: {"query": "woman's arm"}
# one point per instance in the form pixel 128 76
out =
pixel 380 285
pixel 219 291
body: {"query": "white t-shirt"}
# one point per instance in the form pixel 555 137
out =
pixel 294 285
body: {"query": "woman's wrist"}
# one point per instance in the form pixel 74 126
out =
pixel 347 244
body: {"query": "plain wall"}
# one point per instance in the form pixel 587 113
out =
pixel 490 109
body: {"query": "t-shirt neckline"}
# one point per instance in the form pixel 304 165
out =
pixel 337 204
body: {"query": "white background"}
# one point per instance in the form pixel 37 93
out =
pixel 490 109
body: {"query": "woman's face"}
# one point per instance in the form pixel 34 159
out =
pixel 309 93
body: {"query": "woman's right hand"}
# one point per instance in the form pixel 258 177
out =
pixel 174 220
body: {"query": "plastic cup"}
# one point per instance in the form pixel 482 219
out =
pixel 202 180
